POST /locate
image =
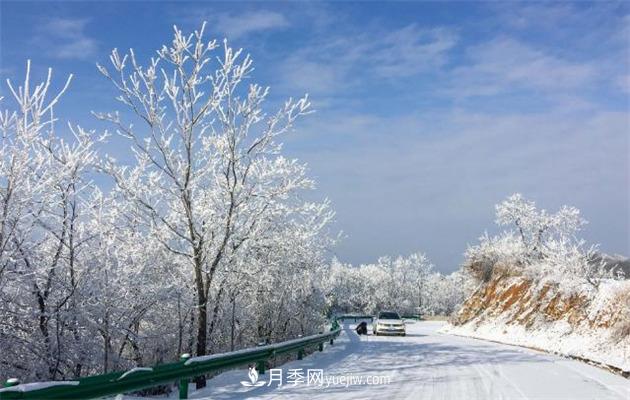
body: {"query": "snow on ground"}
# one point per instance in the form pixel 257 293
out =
pixel 584 331
pixel 559 338
pixel 29 387
pixel 429 365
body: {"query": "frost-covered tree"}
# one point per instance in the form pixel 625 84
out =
pixel 536 227
pixel 445 293
pixel 404 284
pixel 134 283
pixel 206 225
pixel 43 240
pixel 209 181
pixel 540 243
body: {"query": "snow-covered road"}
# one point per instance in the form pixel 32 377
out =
pixel 428 365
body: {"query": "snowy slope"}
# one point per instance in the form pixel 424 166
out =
pixel 587 323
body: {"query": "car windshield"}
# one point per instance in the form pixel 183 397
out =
pixel 388 315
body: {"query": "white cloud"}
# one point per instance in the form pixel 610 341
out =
pixel 498 66
pixel 66 38
pixel 340 61
pixel 410 50
pixel 312 76
pixel 623 83
pixel 235 26
pixel 505 64
pixel 528 15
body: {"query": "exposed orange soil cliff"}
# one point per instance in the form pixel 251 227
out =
pixel 585 322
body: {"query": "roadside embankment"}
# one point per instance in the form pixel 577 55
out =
pixel 592 324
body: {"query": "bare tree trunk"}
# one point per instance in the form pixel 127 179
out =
pixel 232 323
pixel 191 329
pixel 180 324
pixel 106 344
pixel 217 305
pixel 202 318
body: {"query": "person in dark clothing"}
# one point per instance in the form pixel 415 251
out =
pixel 362 328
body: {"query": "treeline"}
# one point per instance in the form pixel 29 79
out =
pixel 407 285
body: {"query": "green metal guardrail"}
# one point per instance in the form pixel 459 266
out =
pixel 142 378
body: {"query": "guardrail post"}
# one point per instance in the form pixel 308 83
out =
pixel 300 354
pixel 11 382
pixel 183 383
pixel 260 367
pixel 260 364
pixel 321 344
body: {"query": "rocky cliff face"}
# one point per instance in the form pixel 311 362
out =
pixel 585 322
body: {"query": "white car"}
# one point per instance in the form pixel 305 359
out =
pixel 388 323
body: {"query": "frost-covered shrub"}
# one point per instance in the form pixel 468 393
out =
pixel 540 245
pixel 482 259
pixel 621 329
pixel 564 259
pixel 536 228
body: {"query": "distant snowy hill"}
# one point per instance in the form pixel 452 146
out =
pixel 615 263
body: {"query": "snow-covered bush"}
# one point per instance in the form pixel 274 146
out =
pixel 505 250
pixel 536 228
pixel 540 244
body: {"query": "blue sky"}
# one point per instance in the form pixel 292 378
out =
pixel 427 113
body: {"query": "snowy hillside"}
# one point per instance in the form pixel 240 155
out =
pixel 590 324
pixel 541 286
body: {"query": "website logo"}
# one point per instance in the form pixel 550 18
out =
pixel 253 378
